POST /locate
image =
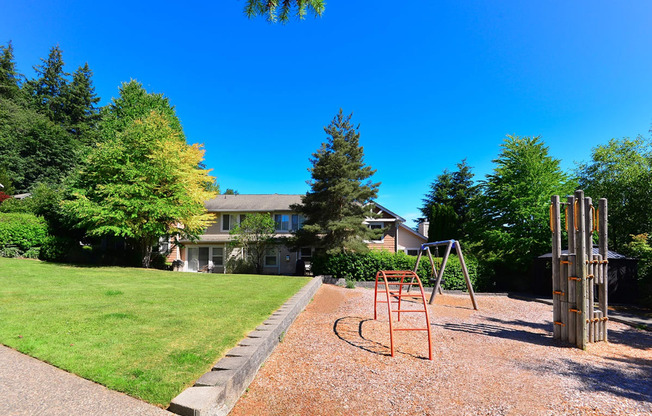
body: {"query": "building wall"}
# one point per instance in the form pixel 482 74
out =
pixel 407 240
pixel 389 241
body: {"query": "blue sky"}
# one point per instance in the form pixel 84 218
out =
pixel 429 82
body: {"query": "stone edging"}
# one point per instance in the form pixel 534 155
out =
pixel 216 392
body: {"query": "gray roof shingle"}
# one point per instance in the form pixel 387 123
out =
pixel 252 203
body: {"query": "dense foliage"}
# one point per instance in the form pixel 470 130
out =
pixel 447 205
pixel 364 266
pixel 20 233
pixel 255 235
pixel 621 171
pixel 639 247
pixel 340 190
pixel 124 171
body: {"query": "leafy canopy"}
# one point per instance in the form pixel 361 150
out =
pixel 511 215
pixel 621 171
pixel 144 183
pixel 255 235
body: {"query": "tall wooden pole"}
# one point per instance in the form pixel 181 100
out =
pixel 555 224
pixel 603 246
pixel 580 270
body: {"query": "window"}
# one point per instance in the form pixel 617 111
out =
pixel 295 222
pixel 242 217
pixel 376 225
pixel 218 256
pixel 282 222
pixel 198 258
pixel 306 253
pixel 271 259
pixel 412 252
pixel 226 222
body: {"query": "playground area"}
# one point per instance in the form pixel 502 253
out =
pixel 501 359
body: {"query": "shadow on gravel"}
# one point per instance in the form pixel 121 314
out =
pixel 635 338
pixel 349 330
pixel 528 332
pixel 627 377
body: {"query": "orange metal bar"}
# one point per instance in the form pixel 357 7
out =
pixel 395 296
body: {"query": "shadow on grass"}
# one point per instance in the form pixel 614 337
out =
pixel 350 330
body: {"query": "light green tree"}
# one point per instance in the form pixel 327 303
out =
pixel 621 171
pixel 281 10
pixel 142 184
pixel 510 218
pixel 255 236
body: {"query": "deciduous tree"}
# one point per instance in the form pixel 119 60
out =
pixel 621 171
pixel 144 183
pixel 255 235
pixel 511 216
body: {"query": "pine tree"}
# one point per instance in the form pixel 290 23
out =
pixel 456 191
pixel 48 90
pixel 9 78
pixel 340 192
pixel 80 105
pixel 280 11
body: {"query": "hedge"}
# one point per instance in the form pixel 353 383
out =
pixel 364 266
pixel 21 232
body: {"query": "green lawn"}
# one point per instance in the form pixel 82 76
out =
pixel 147 333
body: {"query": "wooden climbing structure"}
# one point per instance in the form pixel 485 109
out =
pixel 579 277
pixel 390 286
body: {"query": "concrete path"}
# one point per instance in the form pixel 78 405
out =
pixel 31 387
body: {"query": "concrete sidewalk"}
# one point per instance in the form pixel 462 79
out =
pixel 31 387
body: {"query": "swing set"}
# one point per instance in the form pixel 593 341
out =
pixel 392 282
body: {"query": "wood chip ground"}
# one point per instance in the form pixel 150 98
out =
pixel 499 360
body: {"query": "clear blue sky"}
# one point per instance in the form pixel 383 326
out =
pixel 429 82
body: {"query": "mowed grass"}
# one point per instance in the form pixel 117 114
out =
pixel 147 333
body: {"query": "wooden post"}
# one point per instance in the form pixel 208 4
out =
pixel 555 224
pixel 441 271
pixel 580 269
pixel 572 299
pixel 469 286
pixel 603 245
pixel 563 303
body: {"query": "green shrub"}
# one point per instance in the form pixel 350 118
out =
pixel 57 249
pixel 364 266
pixel 22 231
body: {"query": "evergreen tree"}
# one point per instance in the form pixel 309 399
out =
pixel 9 78
pixel 280 11
pixel 340 190
pixel 48 90
pixel 81 105
pixel 456 191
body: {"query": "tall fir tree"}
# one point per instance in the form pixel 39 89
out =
pixel 48 90
pixel 340 192
pixel 455 191
pixel 9 78
pixel 81 105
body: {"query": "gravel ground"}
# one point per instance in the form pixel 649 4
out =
pixel 500 360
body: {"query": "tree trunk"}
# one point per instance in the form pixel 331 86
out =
pixel 146 252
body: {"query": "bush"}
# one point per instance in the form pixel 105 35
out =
pixel 364 266
pixel 22 231
pixel 57 249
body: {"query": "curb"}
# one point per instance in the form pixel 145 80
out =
pixel 216 392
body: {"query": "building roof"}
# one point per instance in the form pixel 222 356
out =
pixel 382 208
pixel 418 234
pixel 252 203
